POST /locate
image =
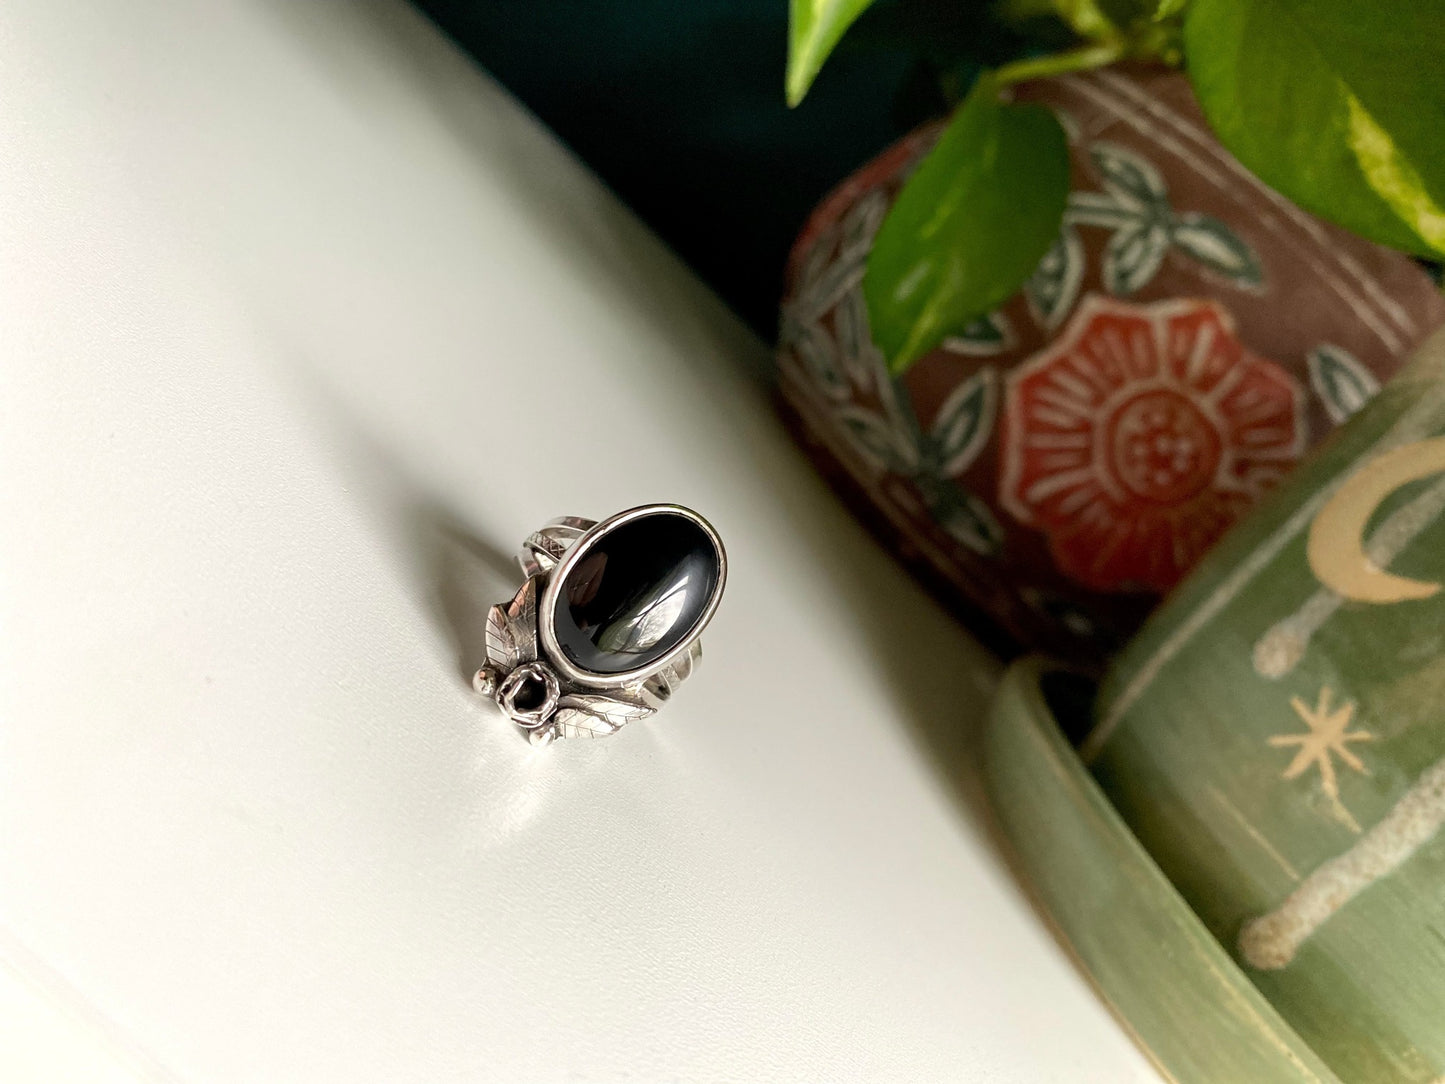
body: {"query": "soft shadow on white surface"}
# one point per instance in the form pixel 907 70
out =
pixel 470 575
pixel 50 1032
pixel 631 272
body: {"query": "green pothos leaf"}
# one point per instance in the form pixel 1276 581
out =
pixel 814 28
pixel 1338 104
pixel 1087 17
pixel 969 226
pixel 1125 13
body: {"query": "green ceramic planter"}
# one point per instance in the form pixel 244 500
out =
pixel 1191 1009
pixel 1275 739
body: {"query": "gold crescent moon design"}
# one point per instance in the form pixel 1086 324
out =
pixel 1335 548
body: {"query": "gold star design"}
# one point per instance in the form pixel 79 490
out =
pixel 1329 736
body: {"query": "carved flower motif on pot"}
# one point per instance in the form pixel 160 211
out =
pixel 1140 435
pixel 1062 536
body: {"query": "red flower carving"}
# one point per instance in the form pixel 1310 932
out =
pixel 1140 435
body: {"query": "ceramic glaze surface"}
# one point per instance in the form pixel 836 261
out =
pixel 1065 460
pixel 1275 739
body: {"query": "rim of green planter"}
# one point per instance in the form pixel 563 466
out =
pixel 1187 1004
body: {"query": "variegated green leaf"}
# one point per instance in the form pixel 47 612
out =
pixel 1341 380
pixel 965 421
pixel 1132 257
pixel 814 27
pixel 1218 248
pixel 1336 104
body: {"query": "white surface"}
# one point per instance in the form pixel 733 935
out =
pixel 284 287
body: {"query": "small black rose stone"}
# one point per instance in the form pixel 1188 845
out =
pixel 636 594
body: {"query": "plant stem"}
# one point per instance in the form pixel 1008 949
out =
pixel 1084 58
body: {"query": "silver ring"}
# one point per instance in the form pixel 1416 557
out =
pixel 607 622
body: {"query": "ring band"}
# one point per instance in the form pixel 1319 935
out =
pixel 607 622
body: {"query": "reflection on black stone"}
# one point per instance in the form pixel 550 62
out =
pixel 637 593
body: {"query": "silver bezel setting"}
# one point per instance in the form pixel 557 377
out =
pixel 578 550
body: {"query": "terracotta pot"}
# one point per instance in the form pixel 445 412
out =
pixel 1275 738
pixel 1069 458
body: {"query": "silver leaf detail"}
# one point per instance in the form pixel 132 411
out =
pixel 522 621
pixel 501 646
pixel 590 715
pixel 656 690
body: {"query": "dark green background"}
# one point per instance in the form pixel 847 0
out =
pixel 678 105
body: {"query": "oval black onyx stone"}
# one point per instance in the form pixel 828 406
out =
pixel 637 592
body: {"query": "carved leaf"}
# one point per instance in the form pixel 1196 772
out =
pixel 860 226
pixel 656 690
pixel 1341 380
pixel 522 621
pixel 873 439
pixel 969 521
pixel 817 354
pixel 501 647
pixel 816 261
pixel 1130 179
pixel 590 715
pixel 1218 248
pixel 1101 209
pixel 859 356
pixel 964 422
pixel 1132 256
pixel 1054 287
pixel 988 335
